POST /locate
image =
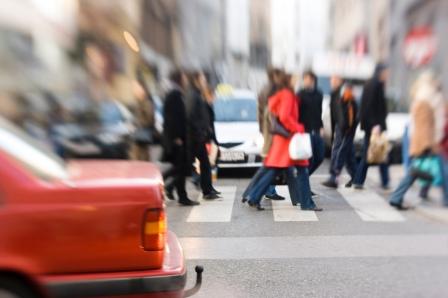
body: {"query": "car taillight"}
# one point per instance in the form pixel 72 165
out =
pixel 154 229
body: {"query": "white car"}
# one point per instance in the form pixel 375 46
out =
pixel 237 130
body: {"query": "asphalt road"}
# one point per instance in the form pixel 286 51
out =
pixel 357 247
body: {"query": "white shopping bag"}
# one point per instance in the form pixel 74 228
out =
pixel 300 147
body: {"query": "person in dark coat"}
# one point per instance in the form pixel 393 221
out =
pixel 311 116
pixel 336 83
pixel 343 152
pixel 175 150
pixel 200 132
pixel 372 115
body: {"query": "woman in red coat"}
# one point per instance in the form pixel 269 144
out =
pixel 285 106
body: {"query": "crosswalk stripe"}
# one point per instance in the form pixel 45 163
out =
pixel 284 211
pixel 370 206
pixel 219 210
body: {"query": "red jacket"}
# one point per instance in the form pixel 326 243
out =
pixel 285 105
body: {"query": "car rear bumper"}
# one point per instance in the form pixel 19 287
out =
pixel 239 165
pixel 169 281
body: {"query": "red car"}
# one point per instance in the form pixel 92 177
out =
pixel 84 228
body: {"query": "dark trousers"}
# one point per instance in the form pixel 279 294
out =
pixel 174 177
pixel 318 147
pixel 200 152
pixel 251 190
pixel 298 185
pixel 342 153
pixel 361 172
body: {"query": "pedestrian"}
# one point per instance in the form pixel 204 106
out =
pixel 264 121
pixel 175 149
pixel 200 131
pixel 311 116
pixel 426 130
pixel 345 128
pixel 336 83
pixel 284 105
pixel 372 116
pixel 214 144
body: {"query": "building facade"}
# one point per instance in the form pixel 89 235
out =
pixel 413 52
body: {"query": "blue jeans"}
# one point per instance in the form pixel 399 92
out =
pixel 342 153
pixel 361 172
pixel 298 185
pixel 318 146
pixel 445 180
pixel 397 196
pixel 250 189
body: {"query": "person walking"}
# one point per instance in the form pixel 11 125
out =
pixel 311 116
pixel 175 139
pixel 264 121
pixel 336 83
pixel 372 116
pixel 345 127
pixel 285 106
pixel 200 132
pixel 426 131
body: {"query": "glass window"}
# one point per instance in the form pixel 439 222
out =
pixel 34 157
pixel 235 110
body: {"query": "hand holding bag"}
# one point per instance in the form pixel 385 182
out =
pixel 379 148
pixel 428 169
pixel 300 147
pixel 277 128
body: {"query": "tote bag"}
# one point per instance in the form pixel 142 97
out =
pixel 300 147
pixel 379 148
pixel 428 170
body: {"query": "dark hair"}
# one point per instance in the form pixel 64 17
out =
pixel 176 76
pixel 285 80
pixel 270 73
pixel 311 74
pixel 379 68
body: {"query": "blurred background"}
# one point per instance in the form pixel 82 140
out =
pixel 72 71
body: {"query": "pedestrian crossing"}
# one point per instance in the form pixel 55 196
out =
pixel 284 211
pixel 216 210
pixel 370 206
pixel 367 205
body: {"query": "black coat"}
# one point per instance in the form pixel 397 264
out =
pixel 342 118
pixel 334 98
pixel 211 114
pixel 311 109
pixel 373 109
pixel 174 125
pixel 198 117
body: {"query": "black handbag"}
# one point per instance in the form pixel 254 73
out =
pixel 277 128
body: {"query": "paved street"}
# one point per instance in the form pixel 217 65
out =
pixel 357 247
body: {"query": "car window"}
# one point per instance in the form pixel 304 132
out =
pixel 235 110
pixel 29 153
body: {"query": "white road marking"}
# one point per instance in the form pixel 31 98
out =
pixel 356 246
pixel 285 211
pixel 370 206
pixel 219 210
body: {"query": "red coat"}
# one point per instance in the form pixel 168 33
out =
pixel 285 105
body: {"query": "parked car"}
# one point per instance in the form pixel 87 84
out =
pixel 83 228
pixel 237 131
